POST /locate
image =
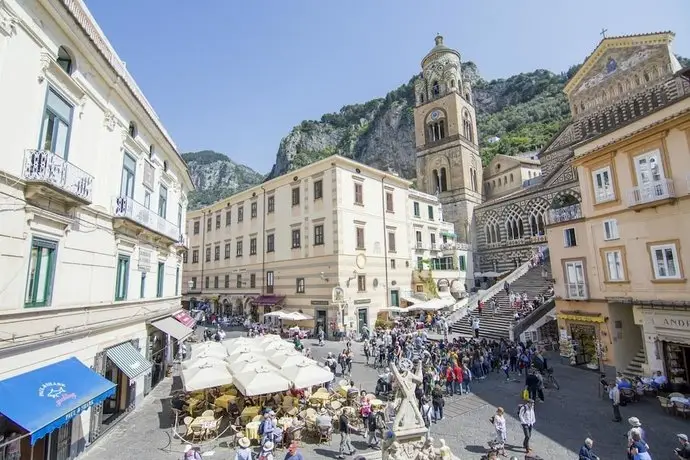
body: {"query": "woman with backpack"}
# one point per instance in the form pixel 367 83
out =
pixel 266 452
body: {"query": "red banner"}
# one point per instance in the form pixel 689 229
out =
pixel 183 317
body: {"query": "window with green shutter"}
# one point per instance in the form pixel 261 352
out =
pixel 122 280
pixel 39 283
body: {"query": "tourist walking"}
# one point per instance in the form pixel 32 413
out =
pixel 266 452
pixel 293 453
pixel 475 326
pixel 345 441
pixel 499 422
pixel 244 451
pixel 615 396
pixel 586 452
pixel 190 453
pixel 438 402
pixel 527 420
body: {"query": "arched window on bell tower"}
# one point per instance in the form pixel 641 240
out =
pixel 444 180
pixel 436 130
pixel 436 182
pixel 435 89
pixel 467 130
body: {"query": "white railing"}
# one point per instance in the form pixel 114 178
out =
pixel 603 195
pixel 652 191
pixel 45 166
pixel 183 240
pixel 419 245
pixel 448 246
pixel 124 206
pixel 577 291
pixel 467 304
pixel 433 246
pixel 565 214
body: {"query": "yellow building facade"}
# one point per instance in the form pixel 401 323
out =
pixel 623 299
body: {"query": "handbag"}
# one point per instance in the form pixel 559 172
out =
pixel 525 394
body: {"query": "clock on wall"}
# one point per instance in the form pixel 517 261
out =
pixel 435 114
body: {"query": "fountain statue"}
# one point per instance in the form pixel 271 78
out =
pixel 409 437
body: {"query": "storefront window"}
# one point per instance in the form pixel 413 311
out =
pixel 677 357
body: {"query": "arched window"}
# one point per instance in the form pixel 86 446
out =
pixel 493 183
pixel 537 217
pixel 421 98
pixel 637 80
pixel 444 180
pixel 513 223
pixel 467 126
pixel 152 149
pixel 132 130
pixel 436 182
pixel 637 109
pixel 492 230
pixel 475 183
pixel 511 177
pixel 452 83
pixel 64 60
pixel 646 77
pixel 620 88
pixel 435 88
pixel 437 130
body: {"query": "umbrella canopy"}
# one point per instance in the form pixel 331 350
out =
pixel 282 350
pixel 206 346
pixel 280 314
pixel 268 338
pixel 291 359
pixel 240 367
pixel 246 357
pixel 306 374
pixel 297 316
pixel 219 353
pixel 237 342
pixel 203 361
pixel 278 345
pixel 207 376
pixel 241 350
pixel 260 382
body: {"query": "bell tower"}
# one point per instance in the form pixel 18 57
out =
pixel 448 161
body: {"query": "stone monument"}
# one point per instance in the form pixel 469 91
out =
pixel 408 437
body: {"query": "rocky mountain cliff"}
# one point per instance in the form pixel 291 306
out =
pixel 216 176
pixel 524 111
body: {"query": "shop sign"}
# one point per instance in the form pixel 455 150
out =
pixel 321 303
pixel 362 301
pixel 672 322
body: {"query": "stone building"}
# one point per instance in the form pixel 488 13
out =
pixel 448 161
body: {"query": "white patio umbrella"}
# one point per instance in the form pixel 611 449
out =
pixel 277 345
pixel 283 348
pixel 245 357
pixel 206 376
pixel 297 316
pixel 268 338
pixel 237 342
pixel 249 348
pixel 219 353
pixel 260 382
pixel 240 367
pixel 287 360
pixel 306 374
pixel 275 314
pixel 203 361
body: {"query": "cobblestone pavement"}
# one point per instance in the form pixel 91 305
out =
pixel 563 421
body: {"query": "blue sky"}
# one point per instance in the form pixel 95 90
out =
pixel 236 76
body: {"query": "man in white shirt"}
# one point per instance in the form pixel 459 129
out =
pixel 659 379
pixel 527 420
pixel 475 326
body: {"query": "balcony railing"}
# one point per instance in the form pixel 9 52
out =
pixel 652 191
pixel 420 245
pixel 576 291
pixel 53 170
pixel 183 240
pixel 433 246
pixel 565 214
pixel 448 246
pixel 126 207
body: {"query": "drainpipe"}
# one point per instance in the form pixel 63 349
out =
pixel 263 243
pixel 385 240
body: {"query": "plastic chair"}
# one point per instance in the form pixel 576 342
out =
pixel 208 413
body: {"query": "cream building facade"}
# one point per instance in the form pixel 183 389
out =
pixel 435 251
pixel 93 196
pixel 287 243
pixel 622 292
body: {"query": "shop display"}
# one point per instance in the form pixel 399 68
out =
pixel 676 363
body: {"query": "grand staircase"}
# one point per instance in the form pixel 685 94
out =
pixel 498 325
pixel 634 369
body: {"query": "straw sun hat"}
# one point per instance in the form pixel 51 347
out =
pixel 244 442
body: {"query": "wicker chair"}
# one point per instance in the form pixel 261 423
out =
pixel 665 403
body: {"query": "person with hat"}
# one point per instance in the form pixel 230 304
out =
pixel 267 451
pixel 293 453
pixel 190 453
pixel 244 452
pixel 684 450
pixel 266 428
pixel 323 420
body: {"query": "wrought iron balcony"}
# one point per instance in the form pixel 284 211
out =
pixel 448 247
pixel 576 291
pixel 419 245
pixel 127 209
pixel 565 214
pixel 48 174
pixel 182 241
pixel 650 192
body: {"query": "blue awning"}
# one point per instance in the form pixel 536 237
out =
pixel 44 399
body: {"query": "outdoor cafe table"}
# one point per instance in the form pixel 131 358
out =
pixel 252 430
pixel 224 401
pixel 202 422
pixel 679 400
pixel 249 412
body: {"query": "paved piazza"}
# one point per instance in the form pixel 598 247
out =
pixel 566 418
